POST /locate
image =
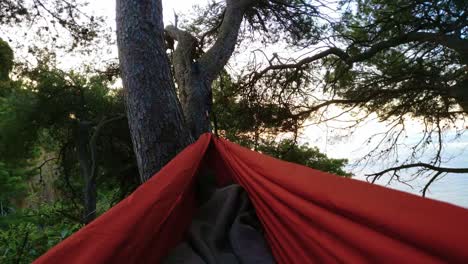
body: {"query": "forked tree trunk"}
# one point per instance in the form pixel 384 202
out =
pixel 156 118
pixel 195 75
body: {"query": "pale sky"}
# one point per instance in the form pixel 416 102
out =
pixel 452 188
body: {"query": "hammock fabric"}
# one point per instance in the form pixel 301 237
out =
pixel 308 216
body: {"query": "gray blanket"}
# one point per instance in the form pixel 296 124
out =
pixel 225 230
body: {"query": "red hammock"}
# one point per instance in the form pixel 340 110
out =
pixel 309 216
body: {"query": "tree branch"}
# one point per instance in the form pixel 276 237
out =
pixel 327 103
pixel 450 41
pixel 426 187
pixel 184 54
pixel 178 34
pixel 335 51
pixel 42 165
pixel 211 31
pixel 417 165
pixel 213 61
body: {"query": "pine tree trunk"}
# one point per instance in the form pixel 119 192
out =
pixel 155 118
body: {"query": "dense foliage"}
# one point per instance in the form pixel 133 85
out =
pixel 28 233
pixel 65 131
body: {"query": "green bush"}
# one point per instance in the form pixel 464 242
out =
pixel 27 234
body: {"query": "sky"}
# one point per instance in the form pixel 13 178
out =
pixel 453 188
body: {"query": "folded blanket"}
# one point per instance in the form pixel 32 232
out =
pixel 225 230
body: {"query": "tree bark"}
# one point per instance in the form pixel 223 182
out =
pixel 160 125
pixel 194 89
pixel 194 75
pixel 155 118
